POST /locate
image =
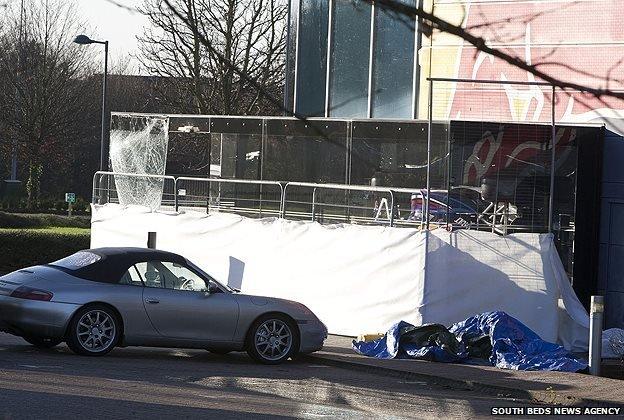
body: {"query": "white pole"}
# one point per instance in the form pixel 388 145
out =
pixel 595 334
pixel 551 198
pixel 429 127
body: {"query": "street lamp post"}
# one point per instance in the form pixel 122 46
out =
pixel 104 142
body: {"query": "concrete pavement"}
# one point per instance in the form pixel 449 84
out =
pixel 546 387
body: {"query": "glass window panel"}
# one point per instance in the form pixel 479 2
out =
pixel 291 49
pixel 236 156
pixel 188 154
pixel 509 165
pixel 350 59
pixel 393 65
pixel 312 57
pixel 564 194
pixel 131 277
pixel 310 151
pixel 78 260
pixel 305 151
pixel 168 275
pixel 394 154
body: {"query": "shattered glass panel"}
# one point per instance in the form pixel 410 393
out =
pixel 138 145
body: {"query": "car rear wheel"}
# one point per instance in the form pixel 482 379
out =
pixel 272 339
pixel 43 343
pixel 93 331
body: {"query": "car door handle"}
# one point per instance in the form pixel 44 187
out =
pixel 152 301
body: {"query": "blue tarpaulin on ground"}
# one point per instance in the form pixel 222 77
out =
pixel 494 336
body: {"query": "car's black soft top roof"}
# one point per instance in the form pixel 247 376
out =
pixel 114 262
pixel 136 254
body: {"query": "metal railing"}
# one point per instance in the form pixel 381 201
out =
pixel 199 192
pixel 154 191
pixel 377 209
pixel 255 198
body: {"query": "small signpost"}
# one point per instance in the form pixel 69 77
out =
pixel 70 198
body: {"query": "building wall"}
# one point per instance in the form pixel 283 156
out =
pixel 577 41
pixel 351 59
pixel 611 262
pixel 580 41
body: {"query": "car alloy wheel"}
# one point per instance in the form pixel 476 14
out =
pixel 273 340
pixel 94 331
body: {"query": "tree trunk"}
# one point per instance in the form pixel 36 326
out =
pixel 33 185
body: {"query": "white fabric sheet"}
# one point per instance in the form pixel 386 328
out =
pixel 475 271
pixel 362 279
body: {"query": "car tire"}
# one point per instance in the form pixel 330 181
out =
pixel 94 330
pixel 272 339
pixel 41 342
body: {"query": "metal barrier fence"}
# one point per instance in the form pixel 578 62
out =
pixel 154 191
pixel 242 196
pixel 323 203
pixel 349 203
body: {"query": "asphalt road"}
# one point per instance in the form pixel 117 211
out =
pixel 164 383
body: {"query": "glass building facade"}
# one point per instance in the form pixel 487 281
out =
pixel 351 59
pixel 482 175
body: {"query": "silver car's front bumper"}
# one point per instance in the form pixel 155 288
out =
pixel 45 319
pixel 313 335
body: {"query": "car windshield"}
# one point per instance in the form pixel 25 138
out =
pixel 78 260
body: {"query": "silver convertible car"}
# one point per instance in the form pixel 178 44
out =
pixel 101 298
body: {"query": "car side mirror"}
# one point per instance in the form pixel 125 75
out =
pixel 213 288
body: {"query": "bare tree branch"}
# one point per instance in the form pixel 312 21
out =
pixel 123 6
pixel 430 22
pixel 192 41
pixel 42 84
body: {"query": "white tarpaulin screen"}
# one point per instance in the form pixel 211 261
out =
pixel 362 279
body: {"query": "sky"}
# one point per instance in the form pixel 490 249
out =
pixel 118 25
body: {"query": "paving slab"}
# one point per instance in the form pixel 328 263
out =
pixel 546 387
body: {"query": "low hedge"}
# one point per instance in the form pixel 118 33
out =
pixel 27 247
pixel 37 220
